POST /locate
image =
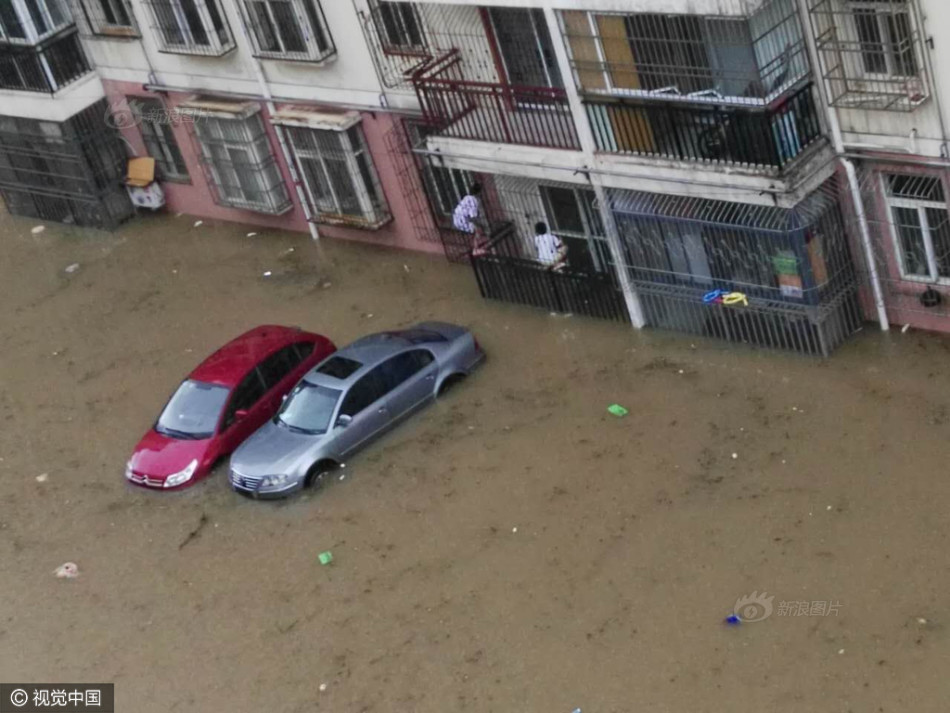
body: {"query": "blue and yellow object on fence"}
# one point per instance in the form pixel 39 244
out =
pixel 725 297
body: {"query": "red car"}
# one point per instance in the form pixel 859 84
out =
pixel 222 402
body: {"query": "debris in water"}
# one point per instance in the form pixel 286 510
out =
pixel 38 229
pixel 733 620
pixel 828 508
pixel 406 268
pixel 734 456
pixel 202 521
pixel 327 285
pixel 840 651
pixel 199 223
pixel 905 328
pixel 514 529
pixel 69 570
pixel 921 620
pixel 323 687
pixel 325 557
pixel 251 235
pixel 72 268
pixel 617 410
pixel 268 273
pixel 342 476
pixel 42 477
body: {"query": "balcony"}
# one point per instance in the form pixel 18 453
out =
pixel 46 67
pixel 736 136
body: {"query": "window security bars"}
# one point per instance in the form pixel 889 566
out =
pixel 240 164
pixel 71 172
pixel 191 27
pixel 739 60
pixel 154 122
pixel 47 67
pixel 27 22
pixel 920 226
pixel 871 53
pixel 289 29
pixel 339 177
pixel 768 138
pixel 400 29
pixel 107 18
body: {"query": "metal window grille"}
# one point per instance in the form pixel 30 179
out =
pixel 154 121
pixel 71 172
pixel 400 28
pixel 289 29
pixel 47 67
pixel 871 53
pixel 742 60
pixel 921 226
pixel 241 165
pixel 191 27
pixel 339 176
pixel 31 21
pixel 107 18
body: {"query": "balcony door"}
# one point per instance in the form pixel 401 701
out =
pixel 525 48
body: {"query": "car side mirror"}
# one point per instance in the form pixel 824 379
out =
pixel 343 420
pixel 240 414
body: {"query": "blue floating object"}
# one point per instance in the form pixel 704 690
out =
pixel 714 296
pixel 733 620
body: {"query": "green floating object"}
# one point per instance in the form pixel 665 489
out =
pixel 325 557
pixel 617 410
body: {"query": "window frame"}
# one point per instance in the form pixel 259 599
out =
pixel 397 11
pixel 921 206
pixel 174 9
pixel 261 159
pixel 161 136
pixel 21 8
pixel 310 21
pixel 97 21
pixel 886 47
pixel 374 208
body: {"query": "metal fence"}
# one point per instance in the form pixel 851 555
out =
pixel 71 172
pixel 871 53
pixel 739 136
pixel 47 67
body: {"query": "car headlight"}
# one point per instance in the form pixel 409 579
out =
pixel 182 476
pixel 275 481
pixel 128 470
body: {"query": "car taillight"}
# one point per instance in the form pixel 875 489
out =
pixel 477 347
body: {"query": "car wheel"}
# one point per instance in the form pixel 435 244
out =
pixel 319 474
pixel 449 382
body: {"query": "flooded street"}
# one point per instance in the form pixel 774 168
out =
pixel 513 548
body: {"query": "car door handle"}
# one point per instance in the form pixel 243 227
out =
pixel 430 377
pixel 382 410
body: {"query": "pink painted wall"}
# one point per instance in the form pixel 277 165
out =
pixel 197 198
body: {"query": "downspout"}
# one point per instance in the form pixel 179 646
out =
pixel 586 138
pixel 834 128
pixel 279 131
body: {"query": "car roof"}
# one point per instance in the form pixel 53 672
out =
pixel 369 351
pixel 229 364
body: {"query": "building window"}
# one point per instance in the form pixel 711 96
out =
pixel 289 29
pixel 109 17
pixel 400 28
pixel 886 39
pixel 191 26
pixel 241 163
pixel 155 124
pixel 29 21
pixel 921 226
pixel 339 176
pixel 44 69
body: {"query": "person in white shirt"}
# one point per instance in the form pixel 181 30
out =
pixel 467 218
pixel 552 252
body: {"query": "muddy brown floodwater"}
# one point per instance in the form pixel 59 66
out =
pixel 513 548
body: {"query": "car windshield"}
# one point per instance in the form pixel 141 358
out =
pixel 193 411
pixel 308 409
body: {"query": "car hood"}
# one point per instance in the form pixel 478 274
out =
pixel 272 450
pixel 160 456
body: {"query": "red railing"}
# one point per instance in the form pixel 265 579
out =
pixel 484 111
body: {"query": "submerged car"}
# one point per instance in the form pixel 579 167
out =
pixel 222 402
pixel 348 400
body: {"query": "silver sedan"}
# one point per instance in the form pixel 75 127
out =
pixel 349 399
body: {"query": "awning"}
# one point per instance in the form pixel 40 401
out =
pixel 315 118
pixel 217 108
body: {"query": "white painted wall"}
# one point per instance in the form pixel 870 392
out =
pixel 53 107
pixel 686 7
pixel 348 78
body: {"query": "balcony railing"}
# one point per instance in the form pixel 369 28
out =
pixel 48 67
pixel 737 136
pixel 485 111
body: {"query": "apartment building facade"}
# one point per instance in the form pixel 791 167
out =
pixel 682 150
